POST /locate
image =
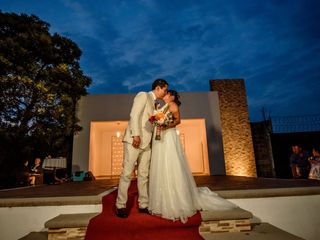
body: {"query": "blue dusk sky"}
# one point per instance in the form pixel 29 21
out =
pixel 274 45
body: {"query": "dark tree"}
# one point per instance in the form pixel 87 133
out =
pixel 41 82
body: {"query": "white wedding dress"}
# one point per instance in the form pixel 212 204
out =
pixel 173 193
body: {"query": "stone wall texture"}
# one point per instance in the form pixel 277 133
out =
pixel 261 136
pixel 235 124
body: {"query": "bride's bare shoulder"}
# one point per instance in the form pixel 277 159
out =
pixel 173 106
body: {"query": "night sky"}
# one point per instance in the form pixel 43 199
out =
pixel 273 44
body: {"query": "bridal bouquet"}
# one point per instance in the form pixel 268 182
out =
pixel 160 119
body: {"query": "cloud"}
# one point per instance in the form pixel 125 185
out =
pixel 274 45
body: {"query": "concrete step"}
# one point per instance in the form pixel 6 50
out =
pixel 35 236
pixel 70 220
pixel 234 220
pixel 69 226
pixel 233 214
pixel 261 231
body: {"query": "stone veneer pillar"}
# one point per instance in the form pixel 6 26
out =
pixel 236 131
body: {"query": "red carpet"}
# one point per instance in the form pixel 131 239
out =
pixel 138 226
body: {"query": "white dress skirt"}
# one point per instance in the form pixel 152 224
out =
pixel 173 193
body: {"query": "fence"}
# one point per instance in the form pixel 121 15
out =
pixel 288 124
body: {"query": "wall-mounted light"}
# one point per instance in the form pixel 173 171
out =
pixel 118 134
pixel 178 132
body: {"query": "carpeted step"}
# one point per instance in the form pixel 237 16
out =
pixel 138 225
pixel 69 226
pixel 262 231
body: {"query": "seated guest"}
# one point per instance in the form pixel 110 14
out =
pixel 36 173
pixel 299 162
pixel 315 164
pixel 22 174
pixel 26 169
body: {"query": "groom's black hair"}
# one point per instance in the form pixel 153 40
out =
pixel 159 82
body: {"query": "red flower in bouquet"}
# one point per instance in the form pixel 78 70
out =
pixel 160 119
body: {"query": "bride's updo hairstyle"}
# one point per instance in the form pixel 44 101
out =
pixel 176 96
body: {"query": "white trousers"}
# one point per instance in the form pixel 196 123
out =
pixel 131 157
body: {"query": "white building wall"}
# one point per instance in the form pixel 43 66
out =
pixel 116 107
pixel 16 222
pixel 299 215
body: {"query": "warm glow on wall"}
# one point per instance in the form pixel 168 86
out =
pixel 116 154
pixel 238 159
pixel 235 127
pixel 106 147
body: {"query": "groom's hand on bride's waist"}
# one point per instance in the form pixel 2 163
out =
pixel 136 141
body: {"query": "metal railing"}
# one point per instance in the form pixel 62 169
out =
pixel 302 123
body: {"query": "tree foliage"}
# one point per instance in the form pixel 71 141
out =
pixel 41 82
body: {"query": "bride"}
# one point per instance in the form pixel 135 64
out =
pixel 173 193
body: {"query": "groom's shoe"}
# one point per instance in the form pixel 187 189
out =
pixel 121 212
pixel 144 210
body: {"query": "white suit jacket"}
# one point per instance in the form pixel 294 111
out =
pixel 139 125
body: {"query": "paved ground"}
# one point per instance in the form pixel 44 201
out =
pixel 216 183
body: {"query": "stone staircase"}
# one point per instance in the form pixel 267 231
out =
pixel 64 226
pixel 68 226
pixel 35 236
pixel 236 224
pixel 235 220
pixel 259 231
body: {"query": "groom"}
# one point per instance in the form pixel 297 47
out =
pixel 137 141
